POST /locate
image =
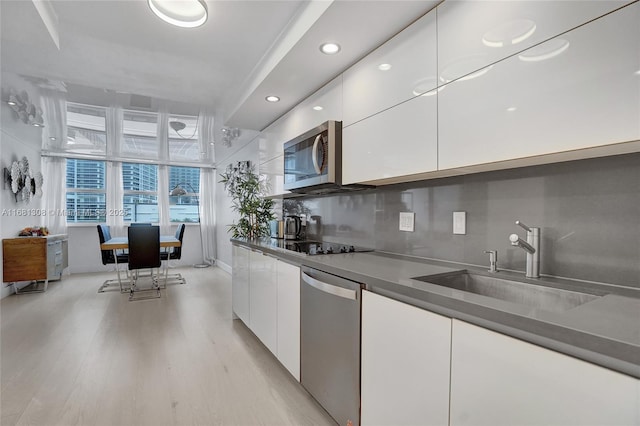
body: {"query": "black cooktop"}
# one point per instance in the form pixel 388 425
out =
pixel 313 248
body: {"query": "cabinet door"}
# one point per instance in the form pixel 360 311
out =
pixel 576 91
pixel 272 172
pixel 405 364
pixel 400 141
pixel 400 69
pixel 240 283
pixel 263 298
pixel 473 34
pixel 323 105
pixel 499 380
pixel 289 317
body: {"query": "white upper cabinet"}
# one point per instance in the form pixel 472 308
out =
pixel 474 34
pixel 323 105
pixel 400 69
pixel 398 142
pixel 578 90
pixel 272 172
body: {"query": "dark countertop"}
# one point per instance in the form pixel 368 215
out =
pixel 604 331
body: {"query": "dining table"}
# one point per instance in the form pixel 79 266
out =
pixel 122 243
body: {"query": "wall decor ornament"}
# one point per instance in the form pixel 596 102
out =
pixel 26 111
pixel 23 183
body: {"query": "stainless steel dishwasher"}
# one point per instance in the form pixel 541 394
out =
pixel 330 343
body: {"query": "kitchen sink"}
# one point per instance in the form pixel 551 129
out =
pixel 533 295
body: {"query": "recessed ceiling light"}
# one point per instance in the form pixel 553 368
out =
pixel 330 48
pixel 52 138
pixel 184 13
pixel 37 125
pixel 272 98
pixel 636 73
pixel 318 108
pixel 12 103
pixel 511 109
pixel 384 67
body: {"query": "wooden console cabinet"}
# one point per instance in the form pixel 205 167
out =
pixel 34 259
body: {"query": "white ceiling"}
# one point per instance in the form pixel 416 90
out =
pixel 246 50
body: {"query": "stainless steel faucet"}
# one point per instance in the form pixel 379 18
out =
pixel 493 260
pixel 531 246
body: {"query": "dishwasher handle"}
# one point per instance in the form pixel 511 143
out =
pixel 328 288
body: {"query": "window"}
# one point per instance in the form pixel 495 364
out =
pixel 183 207
pixel 183 138
pixel 140 130
pixel 86 131
pixel 86 191
pixel 140 183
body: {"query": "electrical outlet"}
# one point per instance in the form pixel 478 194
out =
pixel 460 223
pixel 407 221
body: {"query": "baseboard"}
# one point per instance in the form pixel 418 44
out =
pixel 220 264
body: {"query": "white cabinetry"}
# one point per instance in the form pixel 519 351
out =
pixel 400 141
pixel 499 380
pixel 266 297
pixel 272 172
pixel 389 131
pixel 263 298
pixel 473 34
pixel 400 69
pixel 579 90
pixel 405 363
pixel 289 317
pixel 240 283
pixel 323 105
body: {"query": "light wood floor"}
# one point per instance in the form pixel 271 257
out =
pixel 73 356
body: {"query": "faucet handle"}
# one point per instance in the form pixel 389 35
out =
pixel 523 226
pixel 514 239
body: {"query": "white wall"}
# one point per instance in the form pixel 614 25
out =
pixel 17 140
pixel 224 215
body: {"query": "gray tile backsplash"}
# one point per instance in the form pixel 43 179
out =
pixel 588 212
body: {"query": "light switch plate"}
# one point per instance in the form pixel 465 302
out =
pixel 460 223
pixel 407 221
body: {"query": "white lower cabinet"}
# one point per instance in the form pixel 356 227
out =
pixel 499 380
pixel 288 323
pixel 240 283
pixel 266 297
pixel 405 364
pixel 263 298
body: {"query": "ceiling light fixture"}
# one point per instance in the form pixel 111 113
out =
pixel 317 108
pixel 330 48
pixel 272 98
pixel 183 13
pixel 384 67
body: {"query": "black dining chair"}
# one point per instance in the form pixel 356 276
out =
pixel 109 258
pixel 175 254
pixel 144 253
pixel 140 224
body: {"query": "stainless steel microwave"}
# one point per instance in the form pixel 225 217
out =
pixel 313 161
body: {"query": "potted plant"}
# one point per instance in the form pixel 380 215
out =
pixel 247 190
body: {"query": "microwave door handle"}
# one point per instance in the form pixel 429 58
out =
pixel 314 154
